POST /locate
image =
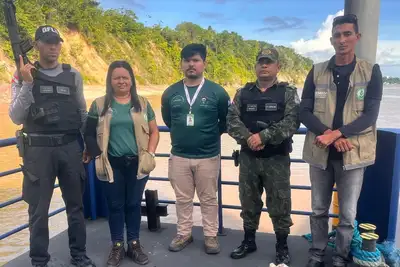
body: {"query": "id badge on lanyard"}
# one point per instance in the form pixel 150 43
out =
pixel 190 116
pixel 190 119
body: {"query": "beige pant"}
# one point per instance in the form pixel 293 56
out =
pixel 186 176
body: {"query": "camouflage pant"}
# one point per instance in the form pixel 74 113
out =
pixel 273 174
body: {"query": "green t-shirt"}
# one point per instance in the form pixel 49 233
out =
pixel 209 110
pixel 122 141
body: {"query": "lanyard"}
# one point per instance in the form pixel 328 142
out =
pixel 191 102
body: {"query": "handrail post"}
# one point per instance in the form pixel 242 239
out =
pixel 92 190
pixel 221 231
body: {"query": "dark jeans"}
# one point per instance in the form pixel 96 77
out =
pixel 41 166
pixel 124 197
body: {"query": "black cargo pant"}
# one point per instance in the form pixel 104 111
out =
pixel 41 166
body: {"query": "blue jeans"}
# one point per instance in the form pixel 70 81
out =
pixel 124 197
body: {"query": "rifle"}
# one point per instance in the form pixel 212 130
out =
pixel 19 47
pixel 236 152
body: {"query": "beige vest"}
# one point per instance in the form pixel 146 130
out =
pixel 142 133
pixel 364 144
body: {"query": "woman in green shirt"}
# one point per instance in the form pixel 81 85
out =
pixel 113 117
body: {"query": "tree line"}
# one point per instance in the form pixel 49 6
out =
pixel 154 51
pixel 391 80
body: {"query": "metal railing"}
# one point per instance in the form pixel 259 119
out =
pixel 91 176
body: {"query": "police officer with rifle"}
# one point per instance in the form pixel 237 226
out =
pixel 48 100
pixel 262 118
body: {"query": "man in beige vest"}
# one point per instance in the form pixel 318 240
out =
pixel 340 106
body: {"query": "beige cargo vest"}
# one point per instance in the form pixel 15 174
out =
pixel 364 144
pixel 142 133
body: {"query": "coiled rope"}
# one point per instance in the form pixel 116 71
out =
pixel 360 256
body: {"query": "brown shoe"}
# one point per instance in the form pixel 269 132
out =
pixel 211 244
pixel 117 254
pixel 180 242
pixel 136 253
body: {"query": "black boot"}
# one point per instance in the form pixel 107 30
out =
pixel 282 250
pixel 248 245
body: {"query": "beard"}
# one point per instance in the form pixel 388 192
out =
pixel 192 74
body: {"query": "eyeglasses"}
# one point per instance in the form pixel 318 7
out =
pixel 348 17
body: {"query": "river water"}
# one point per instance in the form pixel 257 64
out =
pixel 16 214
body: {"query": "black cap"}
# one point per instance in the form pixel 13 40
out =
pixel 48 34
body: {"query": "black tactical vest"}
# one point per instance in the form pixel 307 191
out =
pixel 56 107
pixel 260 111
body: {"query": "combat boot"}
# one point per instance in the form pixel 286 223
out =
pixel 282 250
pixel 248 245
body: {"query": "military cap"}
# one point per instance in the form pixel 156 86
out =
pixel 270 53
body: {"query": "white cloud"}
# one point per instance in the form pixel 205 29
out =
pixel 319 48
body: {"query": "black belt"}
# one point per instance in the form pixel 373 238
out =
pixel 49 140
pixel 123 161
pixel 268 151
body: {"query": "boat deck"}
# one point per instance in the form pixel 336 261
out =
pixel 156 245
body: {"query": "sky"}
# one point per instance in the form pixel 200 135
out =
pixel 304 25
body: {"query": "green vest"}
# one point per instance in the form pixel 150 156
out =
pixel 364 144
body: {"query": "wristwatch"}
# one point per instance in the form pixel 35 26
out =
pixel 152 154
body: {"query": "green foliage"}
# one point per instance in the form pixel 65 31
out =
pixel 153 51
pixel 391 80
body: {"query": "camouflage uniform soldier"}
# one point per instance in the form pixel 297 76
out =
pixel 262 119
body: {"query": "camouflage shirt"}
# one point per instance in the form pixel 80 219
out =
pixel 276 133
